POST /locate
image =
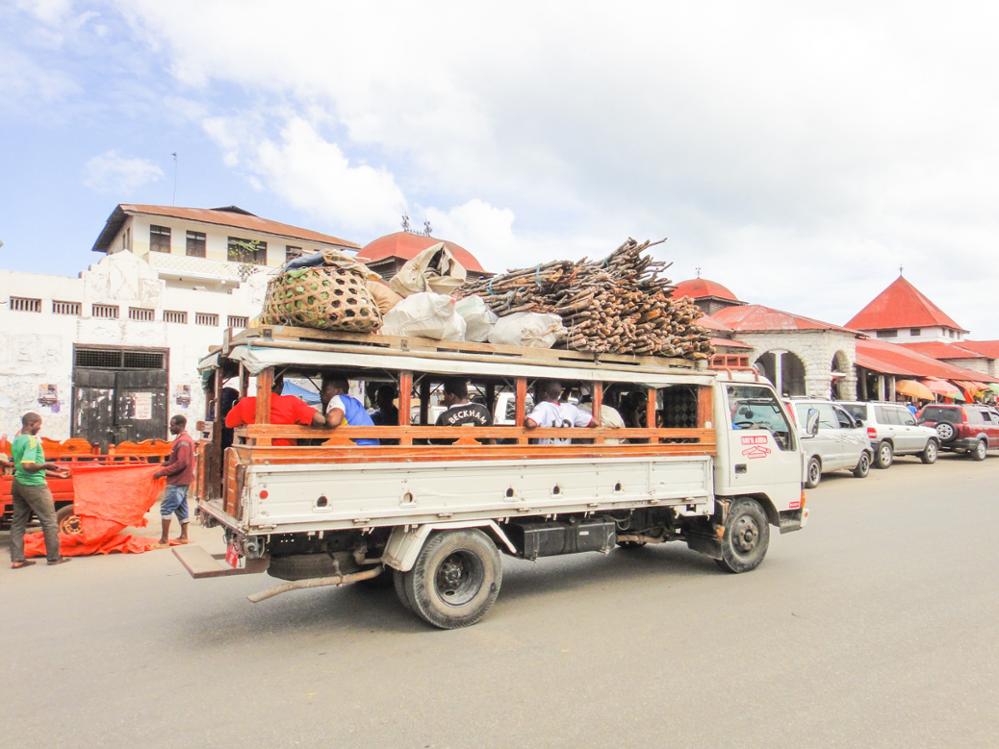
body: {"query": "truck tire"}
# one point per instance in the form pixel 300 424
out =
pixel 813 473
pixel 863 467
pixel 885 455
pixel 980 451
pixel 747 536
pixel 930 452
pixel 456 578
pixel 399 583
pixel 67 521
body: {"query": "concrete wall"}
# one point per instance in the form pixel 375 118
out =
pixel 36 348
pixel 816 349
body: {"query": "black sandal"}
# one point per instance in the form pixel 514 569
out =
pixel 22 563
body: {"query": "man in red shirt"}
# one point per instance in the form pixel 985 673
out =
pixel 285 409
pixel 179 470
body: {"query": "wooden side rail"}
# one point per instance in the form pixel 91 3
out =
pixel 264 434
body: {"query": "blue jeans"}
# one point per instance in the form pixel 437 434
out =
pixel 174 501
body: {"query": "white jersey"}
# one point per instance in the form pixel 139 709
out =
pixel 559 415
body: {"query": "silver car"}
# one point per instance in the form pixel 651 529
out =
pixel 892 430
pixel 840 443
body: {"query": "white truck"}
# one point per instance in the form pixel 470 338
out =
pixel 709 458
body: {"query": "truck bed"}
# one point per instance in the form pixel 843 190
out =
pixel 319 496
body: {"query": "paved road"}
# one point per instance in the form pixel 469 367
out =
pixel 876 626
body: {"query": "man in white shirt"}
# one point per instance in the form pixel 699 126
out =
pixel 550 412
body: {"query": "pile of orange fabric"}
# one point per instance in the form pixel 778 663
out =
pixel 108 499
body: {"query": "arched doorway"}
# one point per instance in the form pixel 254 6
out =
pixel 785 370
pixel 840 369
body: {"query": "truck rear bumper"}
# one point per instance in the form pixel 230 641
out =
pixel 793 520
pixel 199 563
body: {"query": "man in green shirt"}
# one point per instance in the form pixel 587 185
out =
pixel 31 493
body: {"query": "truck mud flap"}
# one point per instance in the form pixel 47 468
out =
pixel 199 563
pixel 706 544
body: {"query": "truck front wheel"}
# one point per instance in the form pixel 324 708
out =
pixel 747 536
pixel 455 580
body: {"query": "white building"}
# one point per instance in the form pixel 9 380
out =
pixel 111 354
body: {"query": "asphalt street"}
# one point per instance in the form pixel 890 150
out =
pixel 877 626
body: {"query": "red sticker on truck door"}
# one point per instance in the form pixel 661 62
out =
pixel 757 446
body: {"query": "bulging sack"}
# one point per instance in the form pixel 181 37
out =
pixel 383 295
pixel 479 319
pixel 425 314
pixel 530 329
pixel 434 269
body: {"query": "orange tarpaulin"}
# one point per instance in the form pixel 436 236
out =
pixel 108 499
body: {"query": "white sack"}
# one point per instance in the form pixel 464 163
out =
pixel 531 329
pixel 479 319
pixel 425 314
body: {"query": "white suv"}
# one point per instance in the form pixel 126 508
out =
pixel 841 442
pixel 892 430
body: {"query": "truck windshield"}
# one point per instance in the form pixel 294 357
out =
pixel 755 407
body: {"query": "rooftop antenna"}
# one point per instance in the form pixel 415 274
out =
pixel 174 200
pixel 698 269
pixel 405 222
pixel 426 227
pixel 900 269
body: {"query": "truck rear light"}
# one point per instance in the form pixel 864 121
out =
pixel 872 433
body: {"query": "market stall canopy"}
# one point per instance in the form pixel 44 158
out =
pixel 942 388
pixel 914 389
pixel 894 359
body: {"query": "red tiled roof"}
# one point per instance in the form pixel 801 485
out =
pixel 729 343
pixel 892 358
pixel 901 305
pixel 944 350
pixel 231 216
pixel 700 288
pixel 406 245
pixel 712 323
pixel 758 318
pixel 989 349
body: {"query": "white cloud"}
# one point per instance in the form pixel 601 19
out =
pixel 111 172
pixel 800 154
pixel 311 173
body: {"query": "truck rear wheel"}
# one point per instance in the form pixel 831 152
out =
pixel 456 578
pixel 399 583
pixel 747 536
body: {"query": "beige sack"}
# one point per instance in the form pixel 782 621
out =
pixel 434 269
pixel 383 295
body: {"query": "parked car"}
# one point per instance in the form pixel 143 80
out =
pixel 971 429
pixel 841 442
pixel 892 430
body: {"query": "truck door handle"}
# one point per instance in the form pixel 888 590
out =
pixel 740 467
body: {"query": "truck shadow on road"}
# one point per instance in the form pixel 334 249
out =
pixel 356 609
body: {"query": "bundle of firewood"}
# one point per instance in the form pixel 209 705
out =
pixel 621 305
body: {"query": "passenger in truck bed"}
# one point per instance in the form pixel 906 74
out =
pixel 285 409
pixel 550 412
pixel 344 409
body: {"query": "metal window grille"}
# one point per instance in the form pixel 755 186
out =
pixel 143 314
pixel 175 315
pixel 65 308
pixel 195 244
pixel 142 359
pixel 104 311
pixel 94 358
pixel 159 238
pixel 206 318
pixel 25 304
pixel 237 321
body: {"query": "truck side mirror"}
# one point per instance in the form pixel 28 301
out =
pixel 812 422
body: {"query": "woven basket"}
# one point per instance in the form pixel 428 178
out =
pixel 324 297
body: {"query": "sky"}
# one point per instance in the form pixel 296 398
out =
pixel 799 153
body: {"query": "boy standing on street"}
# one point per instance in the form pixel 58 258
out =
pixel 31 493
pixel 179 470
